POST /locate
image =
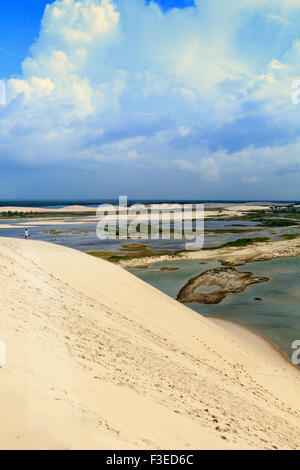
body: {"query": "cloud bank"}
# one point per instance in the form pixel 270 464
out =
pixel 203 91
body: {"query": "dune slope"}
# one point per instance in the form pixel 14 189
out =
pixel 98 359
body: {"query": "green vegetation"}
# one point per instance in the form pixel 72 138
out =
pixel 290 236
pixel 128 252
pixel 43 215
pixel 277 222
pixel 135 250
pixel 147 230
pixel 240 243
pixel 86 232
pixel 54 232
pixel 290 209
pixel 68 232
pixel 226 263
pixel 266 219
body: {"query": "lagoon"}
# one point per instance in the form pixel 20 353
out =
pixel 276 316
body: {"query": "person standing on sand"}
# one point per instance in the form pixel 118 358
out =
pixel 26 234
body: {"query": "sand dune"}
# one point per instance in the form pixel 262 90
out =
pixel 256 252
pixel 98 359
pixel 237 209
pixel 45 210
pixel 231 210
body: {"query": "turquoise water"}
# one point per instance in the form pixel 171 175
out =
pixel 277 317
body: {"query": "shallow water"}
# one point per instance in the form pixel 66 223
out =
pixel 90 242
pixel 277 317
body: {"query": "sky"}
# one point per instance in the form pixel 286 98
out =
pixel 194 99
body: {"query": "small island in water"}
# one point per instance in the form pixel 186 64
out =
pixel 212 286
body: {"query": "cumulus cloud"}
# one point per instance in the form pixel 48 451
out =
pixel 126 83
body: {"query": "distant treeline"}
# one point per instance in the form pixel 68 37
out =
pixel 28 215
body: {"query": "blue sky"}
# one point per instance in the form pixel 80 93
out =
pixel 20 22
pixel 19 25
pixel 172 99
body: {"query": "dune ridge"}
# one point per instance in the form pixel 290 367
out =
pixel 24 210
pixel 96 358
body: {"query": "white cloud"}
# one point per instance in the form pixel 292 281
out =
pixel 275 64
pixel 79 22
pixel 206 168
pixel 122 82
pixel 32 89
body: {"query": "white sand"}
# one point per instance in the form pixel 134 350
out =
pixel 98 359
pixel 231 210
pixel 257 252
pixel 237 209
pixel 40 209
pixel 6 226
